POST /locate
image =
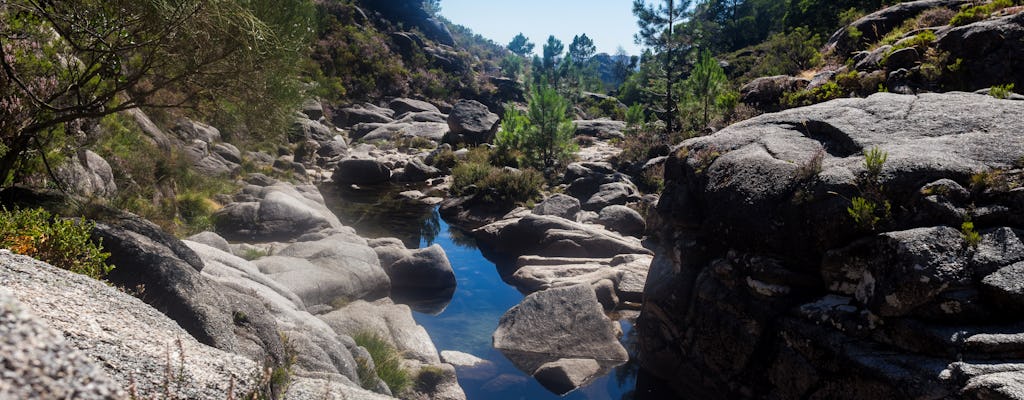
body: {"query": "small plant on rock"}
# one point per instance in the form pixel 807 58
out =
pixel 874 159
pixel 871 207
pixel 386 359
pixel 1001 91
pixel 972 237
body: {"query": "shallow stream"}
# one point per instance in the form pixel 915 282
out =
pixel 479 301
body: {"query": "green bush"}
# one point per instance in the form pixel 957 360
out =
pixel 497 185
pixel 829 91
pixel 874 159
pixel 1001 91
pixel 386 359
pixel 63 243
pixel 969 14
pixel 971 236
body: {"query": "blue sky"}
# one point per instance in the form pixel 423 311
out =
pixel 610 23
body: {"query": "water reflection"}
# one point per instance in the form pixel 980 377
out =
pixel 465 320
pixel 381 211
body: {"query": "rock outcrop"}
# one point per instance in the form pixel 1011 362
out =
pixel 472 123
pixel 561 336
pixel 132 342
pixel 767 287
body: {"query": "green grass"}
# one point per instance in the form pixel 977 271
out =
pixel 388 362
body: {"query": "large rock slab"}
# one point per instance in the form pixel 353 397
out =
pixel 134 341
pixel 763 272
pixel 40 364
pixel 559 205
pixel 88 175
pixel 472 123
pixel 990 51
pixel 559 323
pixel 279 212
pixel 361 172
pixel 327 271
pixel 600 128
pixel 403 105
pixel 554 237
pixel 392 322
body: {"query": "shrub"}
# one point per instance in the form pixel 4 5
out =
pixel 829 91
pixel 864 212
pixel 874 159
pixel 969 14
pixel 972 237
pixel 919 40
pixel 386 359
pixel 1001 91
pixel 63 243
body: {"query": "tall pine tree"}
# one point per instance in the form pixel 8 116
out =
pixel 657 30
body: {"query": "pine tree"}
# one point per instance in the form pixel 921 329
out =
pixel 706 82
pixel 520 45
pixel 657 25
pixel 581 49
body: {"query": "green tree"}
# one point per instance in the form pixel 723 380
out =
pixel 705 84
pixel 520 45
pixel 581 49
pixel 552 57
pixel 65 61
pixel 543 136
pixel 657 30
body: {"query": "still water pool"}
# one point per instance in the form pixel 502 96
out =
pixel 481 298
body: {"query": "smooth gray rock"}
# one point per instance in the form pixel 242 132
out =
pixel 558 323
pixel 211 239
pixel 87 175
pixel 903 58
pixel 280 212
pixel 348 117
pixel 303 129
pixel 472 123
pixel 313 109
pixel 425 269
pixel 228 152
pixel 328 270
pixel 767 91
pixel 418 171
pixel 553 237
pixel 609 194
pixel 392 322
pixel 209 162
pixel 1007 285
pixel 404 105
pixel 361 172
pixel 623 220
pixel 567 374
pixel 559 205
pixel 745 232
pixel 995 63
pixel 424 116
pixel 600 128
pixel 188 130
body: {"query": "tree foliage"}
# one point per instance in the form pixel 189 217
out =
pixel 542 137
pixel 74 59
pixel 581 49
pixel 705 84
pixel 520 45
pixel 657 30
